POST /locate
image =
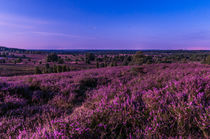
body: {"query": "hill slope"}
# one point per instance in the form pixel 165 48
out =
pixel 2 48
pixel 163 100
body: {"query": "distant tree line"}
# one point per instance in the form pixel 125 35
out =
pixel 53 57
pixel 140 58
pixel 52 69
pixel 119 60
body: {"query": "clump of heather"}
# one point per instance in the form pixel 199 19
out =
pixel 149 101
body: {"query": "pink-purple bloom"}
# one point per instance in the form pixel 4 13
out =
pixel 169 101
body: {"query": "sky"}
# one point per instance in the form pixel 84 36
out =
pixel 105 24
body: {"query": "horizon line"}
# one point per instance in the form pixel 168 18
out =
pixel 106 49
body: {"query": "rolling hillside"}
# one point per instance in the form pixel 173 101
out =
pixel 150 101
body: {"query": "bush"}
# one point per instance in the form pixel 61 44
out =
pixel 136 70
pixel 88 83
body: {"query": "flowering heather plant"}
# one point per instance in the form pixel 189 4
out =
pixel 149 101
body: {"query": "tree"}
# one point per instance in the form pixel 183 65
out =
pixel 2 61
pixel 47 66
pixel 105 64
pixel 112 64
pixel 76 61
pixel 102 65
pixel 126 60
pixel 97 64
pixel 59 68
pixel 115 63
pixel 68 68
pixel 60 61
pixel 37 70
pixel 53 57
pixel 55 69
pixel 138 58
pixel 50 70
pixel 207 61
pixel 64 68
pixel 89 57
pixel 149 59
pixel 87 61
pixel 19 60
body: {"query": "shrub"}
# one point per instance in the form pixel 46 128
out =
pixel 137 70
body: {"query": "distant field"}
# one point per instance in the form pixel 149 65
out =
pixel 23 62
pixel 15 69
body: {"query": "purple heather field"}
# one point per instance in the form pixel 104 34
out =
pixel 147 101
pixel 104 69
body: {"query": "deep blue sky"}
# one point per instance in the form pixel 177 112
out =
pixel 105 24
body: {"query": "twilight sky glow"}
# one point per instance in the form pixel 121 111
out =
pixel 105 24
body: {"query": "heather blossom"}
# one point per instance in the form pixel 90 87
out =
pixel 164 101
